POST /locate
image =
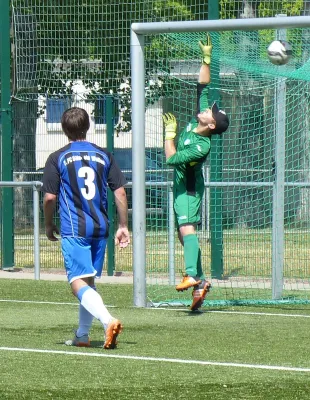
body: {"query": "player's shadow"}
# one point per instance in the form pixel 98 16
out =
pixel 199 312
pixel 190 313
pixel 194 314
pixel 99 344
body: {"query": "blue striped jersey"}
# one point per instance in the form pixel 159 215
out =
pixel 80 174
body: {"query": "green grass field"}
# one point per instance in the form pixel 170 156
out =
pixel 223 353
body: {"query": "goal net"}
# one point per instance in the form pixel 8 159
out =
pixel 255 227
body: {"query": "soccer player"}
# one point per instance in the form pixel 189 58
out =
pixel 79 175
pixel 187 158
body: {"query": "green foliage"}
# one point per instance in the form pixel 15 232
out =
pixel 228 9
pixel 271 9
pixel 172 10
pixel 88 42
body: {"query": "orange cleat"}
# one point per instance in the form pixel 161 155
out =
pixel 187 282
pixel 199 294
pixel 113 330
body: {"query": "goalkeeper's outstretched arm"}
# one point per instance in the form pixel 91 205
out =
pixel 204 75
pixel 206 50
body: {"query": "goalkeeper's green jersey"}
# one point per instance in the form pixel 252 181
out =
pixel 192 151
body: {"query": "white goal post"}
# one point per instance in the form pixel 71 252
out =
pixel 138 31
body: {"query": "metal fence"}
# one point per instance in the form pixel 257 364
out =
pixel 36 187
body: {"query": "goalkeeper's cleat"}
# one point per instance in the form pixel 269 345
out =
pixel 113 330
pixel 199 294
pixel 187 282
pixel 82 341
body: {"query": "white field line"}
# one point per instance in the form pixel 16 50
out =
pixel 159 359
pixel 37 302
pixel 261 313
pixel 42 302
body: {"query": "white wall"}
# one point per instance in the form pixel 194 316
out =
pixel 50 137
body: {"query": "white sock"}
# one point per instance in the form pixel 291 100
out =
pixel 85 321
pixel 93 303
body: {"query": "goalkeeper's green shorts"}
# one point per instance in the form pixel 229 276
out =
pixel 187 208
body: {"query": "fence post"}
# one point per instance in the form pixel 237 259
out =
pixel 138 169
pixel 36 230
pixel 171 240
pixel 279 182
pixel 7 236
pixel 109 102
pixel 216 162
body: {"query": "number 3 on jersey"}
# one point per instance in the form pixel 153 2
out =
pixel 88 175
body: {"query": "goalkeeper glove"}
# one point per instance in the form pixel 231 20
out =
pixel 206 50
pixel 170 126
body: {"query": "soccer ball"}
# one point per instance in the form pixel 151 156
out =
pixel 279 52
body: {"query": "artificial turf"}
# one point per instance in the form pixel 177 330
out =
pixel 155 338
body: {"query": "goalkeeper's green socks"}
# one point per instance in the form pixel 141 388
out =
pixel 192 257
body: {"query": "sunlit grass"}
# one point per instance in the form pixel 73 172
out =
pixel 250 337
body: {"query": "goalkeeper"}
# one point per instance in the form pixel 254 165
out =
pixel 187 158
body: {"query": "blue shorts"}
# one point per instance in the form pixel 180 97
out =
pixel 83 257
